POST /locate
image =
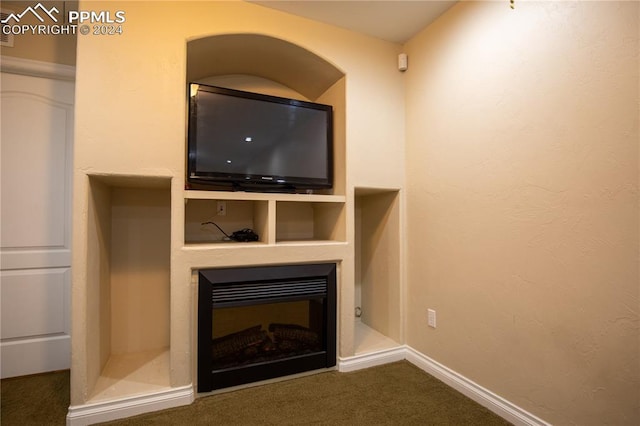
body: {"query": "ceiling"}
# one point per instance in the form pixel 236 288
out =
pixel 395 21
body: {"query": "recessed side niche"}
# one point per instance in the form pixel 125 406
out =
pixel 377 269
pixel 128 285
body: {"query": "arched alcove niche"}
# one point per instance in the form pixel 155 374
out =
pixel 262 56
pixel 269 65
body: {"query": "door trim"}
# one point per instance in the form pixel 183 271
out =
pixel 33 68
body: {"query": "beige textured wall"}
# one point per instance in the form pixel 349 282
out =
pixel 522 171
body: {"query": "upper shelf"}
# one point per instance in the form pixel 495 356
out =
pixel 275 217
pixel 262 196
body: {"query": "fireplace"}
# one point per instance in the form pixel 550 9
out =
pixel 258 323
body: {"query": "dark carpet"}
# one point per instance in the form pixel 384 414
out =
pixel 392 394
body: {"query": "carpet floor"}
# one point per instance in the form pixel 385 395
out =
pixel 392 394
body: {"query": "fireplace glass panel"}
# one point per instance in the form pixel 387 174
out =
pixel 266 332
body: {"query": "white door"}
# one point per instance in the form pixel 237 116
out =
pixel 35 202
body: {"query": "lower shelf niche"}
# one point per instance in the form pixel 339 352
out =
pixel 368 340
pixel 128 290
pixel 132 374
pixel 377 265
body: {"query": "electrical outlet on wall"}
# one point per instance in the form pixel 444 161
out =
pixel 431 318
pixel 221 208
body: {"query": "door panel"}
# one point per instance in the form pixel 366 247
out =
pixel 21 357
pixel 33 170
pixel 35 251
pixel 43 293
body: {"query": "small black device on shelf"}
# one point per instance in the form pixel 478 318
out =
pixel 256 142
pixel 244 235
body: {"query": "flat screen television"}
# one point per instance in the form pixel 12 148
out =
pixel 258 142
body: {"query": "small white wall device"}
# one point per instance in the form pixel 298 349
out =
pixel 402 62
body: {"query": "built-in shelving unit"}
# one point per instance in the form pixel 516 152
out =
pixel 276 218
pixel 128 290
pixel 378 277
pixel 135 306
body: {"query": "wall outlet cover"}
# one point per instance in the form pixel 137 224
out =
pixel 431 318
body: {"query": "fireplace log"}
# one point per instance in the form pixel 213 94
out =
pixel 238 343
pixel 294 332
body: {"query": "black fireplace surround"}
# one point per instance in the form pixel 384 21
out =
pixel 258 323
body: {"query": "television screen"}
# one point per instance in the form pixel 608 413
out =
pixel 257 141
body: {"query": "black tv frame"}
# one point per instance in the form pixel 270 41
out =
pixel 257 183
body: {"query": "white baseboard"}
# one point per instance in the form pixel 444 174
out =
pixel 479 394
pixel 81 415
pixel 358 362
